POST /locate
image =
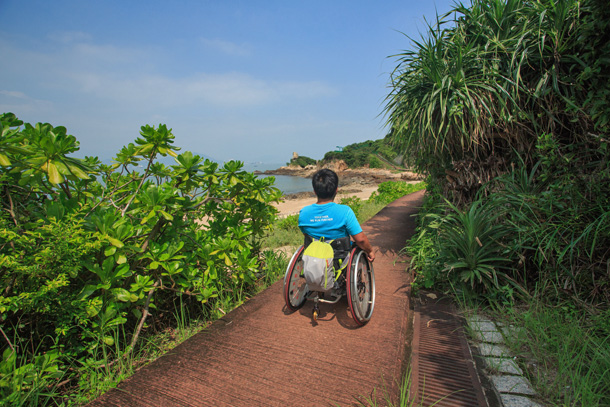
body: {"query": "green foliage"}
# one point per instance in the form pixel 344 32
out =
pixel 284 232
pixel 290 222
pixel 303 161
pixel 390 191
pixel 504 105
pixel 471 249
pixel 375 162
pixel 88 250
pixel 24 382
pixel 486 80
pixel 503 102
pixel 354 203
pixel 375 154
pixel 570 347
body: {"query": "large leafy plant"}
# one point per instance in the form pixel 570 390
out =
pixel 88 250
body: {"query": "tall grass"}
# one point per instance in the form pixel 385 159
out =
pixel 563 352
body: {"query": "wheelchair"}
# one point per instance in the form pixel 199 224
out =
pixel 356 281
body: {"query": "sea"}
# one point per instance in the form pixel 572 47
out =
pixel 286 183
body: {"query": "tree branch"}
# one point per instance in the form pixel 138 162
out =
pixel 150 160
pixel 144 315
pixel 9 342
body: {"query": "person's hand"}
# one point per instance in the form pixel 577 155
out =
pixel 371 256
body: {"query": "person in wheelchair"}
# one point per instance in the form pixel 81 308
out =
pixel 353 273
pixel 332 221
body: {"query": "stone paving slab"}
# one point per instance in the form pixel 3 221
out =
pixel 489 337
pixel 503 365
pixel 512 389
pixel 512 384
pixel 510 400
pixel 496 350
pixel 482 325
pixel 510 331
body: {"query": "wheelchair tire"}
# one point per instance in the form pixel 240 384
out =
pixel 295 286
pixel 360 287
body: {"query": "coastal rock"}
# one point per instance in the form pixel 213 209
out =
pixel 348 176
pixel 300 195
pixel 337 166
pixel 411 176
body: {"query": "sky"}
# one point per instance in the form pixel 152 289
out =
pixel 249 80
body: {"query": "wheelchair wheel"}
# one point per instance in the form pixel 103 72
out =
pixel 295 286
pixel 360 287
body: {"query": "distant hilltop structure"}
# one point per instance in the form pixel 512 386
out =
pixel 295 155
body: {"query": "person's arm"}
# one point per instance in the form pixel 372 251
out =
pixel 363 242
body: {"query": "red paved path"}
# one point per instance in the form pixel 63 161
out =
pixel 262 355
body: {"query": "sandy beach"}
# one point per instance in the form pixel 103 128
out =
pixel 358 182
pixel 291 206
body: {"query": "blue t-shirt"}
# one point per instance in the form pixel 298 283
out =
pixel 331 221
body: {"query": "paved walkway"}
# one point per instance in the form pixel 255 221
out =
pixel 262 355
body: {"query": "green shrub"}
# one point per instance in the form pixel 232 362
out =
pixel 375 162
pixel 88 250
pixel 360 154
pixel 472 252
pixel 354 203
pixel 290 222
pixel 284 232
pixel 390 191
pixel 303 161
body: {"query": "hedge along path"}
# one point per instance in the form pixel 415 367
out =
pixel 261 354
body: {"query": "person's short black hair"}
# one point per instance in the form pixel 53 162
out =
pixel 325 183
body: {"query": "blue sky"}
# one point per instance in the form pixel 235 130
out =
pixel 247 80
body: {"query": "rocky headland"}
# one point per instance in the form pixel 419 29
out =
pixel 360 183
pixel 349 178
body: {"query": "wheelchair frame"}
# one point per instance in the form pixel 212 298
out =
pixel 357 283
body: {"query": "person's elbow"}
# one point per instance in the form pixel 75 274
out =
pixel 360 239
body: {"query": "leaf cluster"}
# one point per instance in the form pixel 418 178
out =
pixel 504 105
pixel 88 250
pixel 485 81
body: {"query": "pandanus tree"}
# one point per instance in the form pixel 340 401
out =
pixel 505 103
pixel 483 85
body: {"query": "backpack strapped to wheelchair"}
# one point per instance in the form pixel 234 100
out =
pixel 324 263
pixel 352 276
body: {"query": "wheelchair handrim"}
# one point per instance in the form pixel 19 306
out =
pixel 359 315
pixel 294 301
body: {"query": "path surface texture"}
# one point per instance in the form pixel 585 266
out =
pixel 263 355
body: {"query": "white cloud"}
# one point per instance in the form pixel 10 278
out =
pixel 231 90
pixel 130 77
pixel 13 94
pixel 104 93
pixel 17 102
pixel 227 47
pixel 69 36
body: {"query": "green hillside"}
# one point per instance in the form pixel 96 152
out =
pixel 371 153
